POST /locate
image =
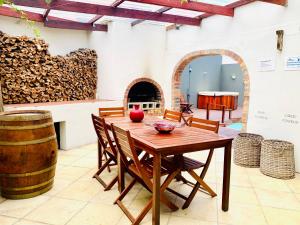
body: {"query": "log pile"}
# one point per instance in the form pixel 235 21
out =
pixel 29 74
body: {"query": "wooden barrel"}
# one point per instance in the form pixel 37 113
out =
pixel 28 153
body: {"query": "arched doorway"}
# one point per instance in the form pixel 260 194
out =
pixel 176 78
pixel 146 92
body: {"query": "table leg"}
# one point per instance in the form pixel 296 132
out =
pixel 226 177
pixel 156 190
pixel 121 174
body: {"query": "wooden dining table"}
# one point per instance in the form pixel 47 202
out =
pixel 181 140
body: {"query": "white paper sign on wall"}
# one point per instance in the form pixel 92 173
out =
pixel 265 65
pixel 292 63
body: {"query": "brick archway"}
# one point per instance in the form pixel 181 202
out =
pixel 144 79
pixel 176 79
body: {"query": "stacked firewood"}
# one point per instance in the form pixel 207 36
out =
pixel 30 74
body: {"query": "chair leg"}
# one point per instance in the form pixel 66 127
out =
pixel 197 186
pixel 202 183
pixel 111 184
pixel 207 163
pixel 96 175
pixel 143 213
pixel 126 190
pixel 166 183
pixel 108 167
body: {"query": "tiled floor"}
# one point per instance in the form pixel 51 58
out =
pixel 77 199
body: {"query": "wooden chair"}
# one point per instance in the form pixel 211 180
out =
pixel 107 148
pixel 189 165
pixel 172 115
pixel 112 112
pixel 141 170
pixel 185 107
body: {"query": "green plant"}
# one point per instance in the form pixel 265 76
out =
pixel 23 15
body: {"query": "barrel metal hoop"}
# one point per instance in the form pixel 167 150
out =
pixel 29 174
pixel 4 127
pixel 32 142
pixel 28 187
pixel 29 195
pixel 41 114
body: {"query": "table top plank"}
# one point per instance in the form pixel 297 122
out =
pixel 181 140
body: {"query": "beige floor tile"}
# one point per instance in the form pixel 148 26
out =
pixel 278 199
pixel 56 211
pixel 236 180
pixel 294 184
pixel 19 208
pixel 108 197
pixel 175 220
pixel 82 190
pixel 28 222
pixel 281 216
pixel 66 159
pixel 242 195
pixel 269 183
pixel 75 152
pixel 97 214
pixel 92 154
pixel 202 208
pixel 164 218
pixel 7 220
pixel 87 162
pixel 71 172
pixel 253 172
pixel 59 185
pixel 235 170
pixel 240 214
pixel 90 147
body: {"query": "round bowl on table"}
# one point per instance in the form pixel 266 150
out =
pixel 164 127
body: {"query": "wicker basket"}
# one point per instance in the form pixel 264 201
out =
pixel 247 149
pixel 277 159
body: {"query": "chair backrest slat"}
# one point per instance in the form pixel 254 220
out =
pixel 112 112
pixel 204 124
pixel 127 150
pixel 123 142
pixel 172 115
pixel 102 133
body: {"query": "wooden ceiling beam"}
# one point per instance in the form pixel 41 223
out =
pixel 195 6
pixel 51 21
pixel 162 10
pixel 277 2
pixel 82 7
pixel 7 11
pixel 74 25
pixel 115 4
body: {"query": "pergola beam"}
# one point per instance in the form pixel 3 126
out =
pixel 162 10
pixel 74 25
pixel 53 21
pixel 7 11
pixel 115 4
pixel 81 7
pixel 277 2
pixel 195 6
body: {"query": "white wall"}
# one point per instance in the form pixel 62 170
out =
pixel 251 34
pixel 126 53
pixel 60 41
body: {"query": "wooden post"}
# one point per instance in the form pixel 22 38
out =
pixel 1 100
pixel 207 111
pixel 223 113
